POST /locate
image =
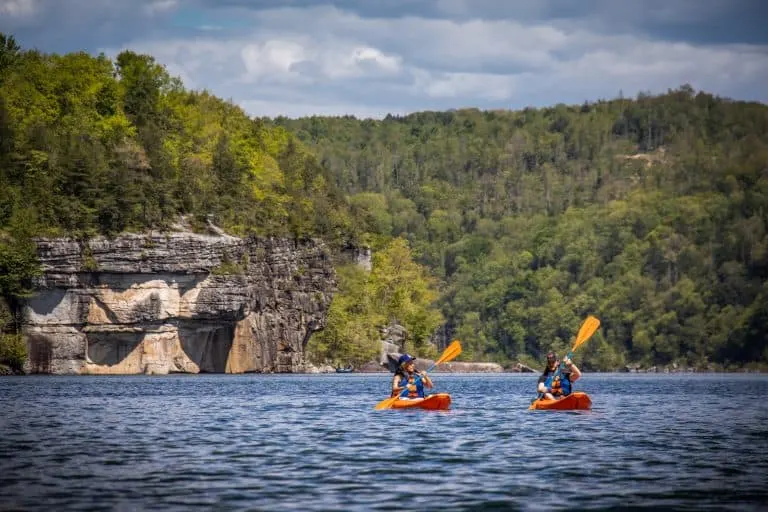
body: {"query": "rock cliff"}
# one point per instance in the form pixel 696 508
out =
pixel 176 302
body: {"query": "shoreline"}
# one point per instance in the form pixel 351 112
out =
pixel 469 368
pixel 4 373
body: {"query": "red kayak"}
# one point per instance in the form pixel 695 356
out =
pixel 436 402
pixel 576 401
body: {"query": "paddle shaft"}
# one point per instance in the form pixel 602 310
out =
pixel 562 364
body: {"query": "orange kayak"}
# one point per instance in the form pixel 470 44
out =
pixel 436 402
pixel 575 401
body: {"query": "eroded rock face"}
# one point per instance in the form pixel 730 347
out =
pixel 176 302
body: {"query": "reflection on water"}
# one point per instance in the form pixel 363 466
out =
pixel 301 442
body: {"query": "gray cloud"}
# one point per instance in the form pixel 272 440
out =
pixel 370 58
pixel 701 21
pixel 72 25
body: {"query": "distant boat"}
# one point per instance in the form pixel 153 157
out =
pixel 348 369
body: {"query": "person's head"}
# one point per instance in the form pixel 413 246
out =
pixel 552 361
pixel 406 362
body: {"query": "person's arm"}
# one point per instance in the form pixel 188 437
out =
pixel 575 372
pixel 426 380
pixel 396 389
pixel 542 387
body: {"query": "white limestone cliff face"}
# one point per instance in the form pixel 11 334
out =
pixel 176 302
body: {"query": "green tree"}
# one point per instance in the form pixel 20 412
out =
pixel 350 336
pixel 405 293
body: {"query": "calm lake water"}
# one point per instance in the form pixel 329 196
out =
pixel 314 442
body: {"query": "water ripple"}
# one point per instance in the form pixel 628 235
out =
pixel 296 442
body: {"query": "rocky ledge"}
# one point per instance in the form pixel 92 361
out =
pixel 451 367
pixel 161 303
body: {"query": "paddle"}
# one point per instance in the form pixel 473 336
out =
pixel 586 331
pixel 450 353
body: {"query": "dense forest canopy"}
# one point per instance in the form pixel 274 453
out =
pixel 90 145
pixel 650 213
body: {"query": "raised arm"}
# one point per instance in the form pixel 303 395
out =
pixel 575 372
pixel 426 380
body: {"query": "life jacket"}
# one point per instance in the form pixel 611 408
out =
pixel 406 379
pixel 559 383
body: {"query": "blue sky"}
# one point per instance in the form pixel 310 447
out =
pixel 372 57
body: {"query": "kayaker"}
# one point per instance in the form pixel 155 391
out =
pixel 406 376
pixel 554 383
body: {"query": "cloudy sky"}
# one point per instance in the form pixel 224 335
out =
pixel 373 57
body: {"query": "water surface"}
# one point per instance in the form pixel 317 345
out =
pixel 314 442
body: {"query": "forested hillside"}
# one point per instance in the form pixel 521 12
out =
pixel 650 213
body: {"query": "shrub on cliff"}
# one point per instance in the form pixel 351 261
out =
pixel 13 351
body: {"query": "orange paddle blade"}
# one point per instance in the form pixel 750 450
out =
pixel 587 329
pixel 386 403
pixel 451 352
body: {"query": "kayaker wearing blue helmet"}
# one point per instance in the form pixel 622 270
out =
pixel 554 383
pixel 406 376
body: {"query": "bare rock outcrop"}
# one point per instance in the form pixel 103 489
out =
pixel 520 368
pixel 176 302
pixel 393 341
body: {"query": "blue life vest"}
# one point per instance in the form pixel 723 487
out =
pixel 411 379
pixel 559 383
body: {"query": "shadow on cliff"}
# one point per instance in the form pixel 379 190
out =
pixel 123 282
pixel 112 348
pixel 46 303
pixel 207 345
pixel 40 354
